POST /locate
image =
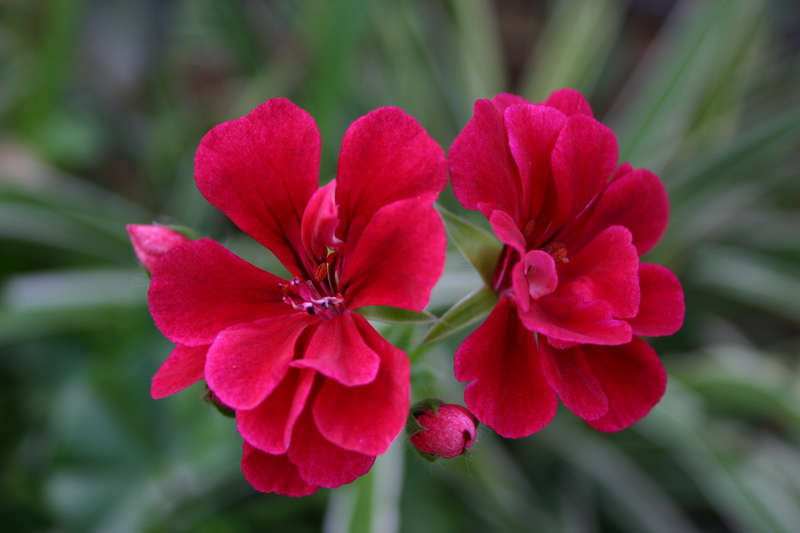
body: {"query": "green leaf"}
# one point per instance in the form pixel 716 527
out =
pixel 472 308
pixel 479 247
pixel 395 315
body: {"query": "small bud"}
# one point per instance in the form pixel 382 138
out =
pixel 151 242
pixel 445 430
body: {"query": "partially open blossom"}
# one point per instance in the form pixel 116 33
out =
pixel 573 295
pixel 448 430
pixel 317 392
pixel 150 242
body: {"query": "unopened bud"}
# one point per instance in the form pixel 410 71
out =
pixel 151 242
pixel 443 429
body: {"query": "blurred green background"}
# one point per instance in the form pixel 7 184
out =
pixel 102 104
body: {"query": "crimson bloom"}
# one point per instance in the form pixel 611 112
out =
pixel 317 392
pixel 573 295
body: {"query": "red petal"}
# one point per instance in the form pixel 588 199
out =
pixel 570 102
pixel 540 272
pixel 386 156
pixel 151 242
pixel 637 201
pixel 565 316
pixel 319 222
pixel 200 288
pixel 569 373
pixel 507 391
pixel 261 170
pixel 506 229
pixel 584 158
pixel 607 269
pixel 367 418
pixel 662 308
pixel 337 350
pixel 481 168
pixel 532 134
pixel 273 473
pixel 248 361
pixel 322 463
pixel 396 263
pixel 632 378
pixel 183 367
pixel 504 100
pixel 269 426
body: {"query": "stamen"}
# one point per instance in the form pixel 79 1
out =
pixel 322 272
pixel 558 250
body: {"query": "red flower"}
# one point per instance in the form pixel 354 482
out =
pixel 317 392
pixel 573 295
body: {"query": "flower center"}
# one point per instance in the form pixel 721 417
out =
pixel 557 250
pixel 318 296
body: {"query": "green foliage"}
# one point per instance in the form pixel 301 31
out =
pixel 103 106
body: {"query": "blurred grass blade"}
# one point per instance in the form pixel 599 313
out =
pixel 751 278
pixel 702 43
pixel 575 44
pixel 478 44
pixel 471 309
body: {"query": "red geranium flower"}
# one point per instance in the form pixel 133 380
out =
pixel 573 295
pixel 317 392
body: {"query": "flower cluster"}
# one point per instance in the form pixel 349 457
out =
pixel 316 391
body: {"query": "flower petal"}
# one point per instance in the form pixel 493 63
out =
pixel 273 473
pixel 565 316
pixel 320 220
pixel 337 350
pixel 570 375
pixel 386 156
pixel 183 367
pixel 632 378
pixel 584 158
pixel 636 200
pixel 269 425
pixel 246 362
pixel 396 263
pixel 200 288
pixel 607 269
pixel 367 418
pixel 533 277
pixel 504 100
pixel 261 170
pixel 570 102
pixel 533 131
pixel 507 230
pixel 319 461
pixel 483 174
pixel 662 308
pixel 507 391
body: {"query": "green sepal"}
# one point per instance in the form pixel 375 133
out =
pixel 473 307
pixel 395 315
pixel 479 247
pixel 210 398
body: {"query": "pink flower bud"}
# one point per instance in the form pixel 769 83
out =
pixel 449 430
pixel 151 242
